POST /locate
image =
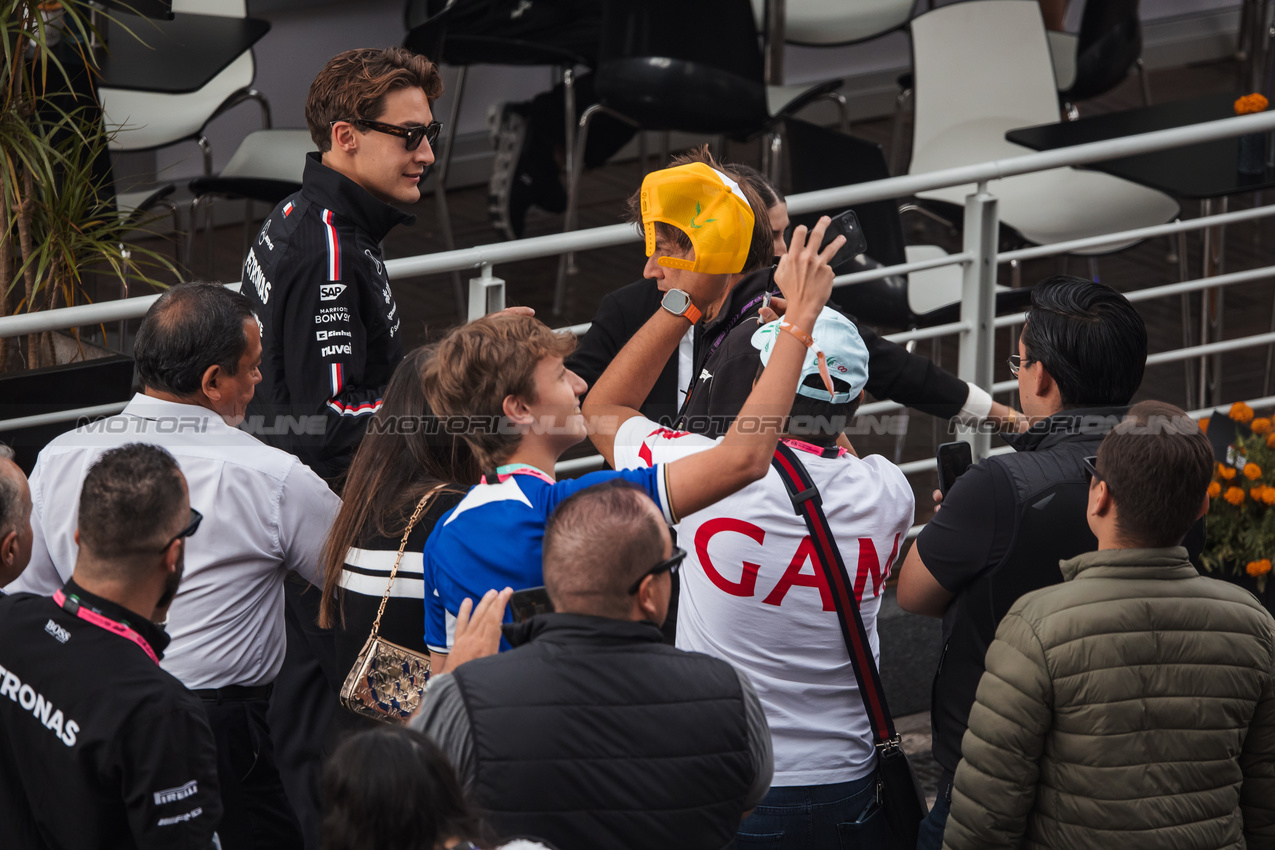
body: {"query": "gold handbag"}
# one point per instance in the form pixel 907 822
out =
pixel 387 681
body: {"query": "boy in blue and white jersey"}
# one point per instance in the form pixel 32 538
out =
pixel 505 375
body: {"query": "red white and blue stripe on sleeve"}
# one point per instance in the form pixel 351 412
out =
pixel 337 375
pixel 334 246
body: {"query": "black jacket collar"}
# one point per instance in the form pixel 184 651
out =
pixel 582 628
pixel 334 191
pixel 749 287
pixel 151 633
pixel 1088 423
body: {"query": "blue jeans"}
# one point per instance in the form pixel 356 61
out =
pixel 844 816
pixel 934 825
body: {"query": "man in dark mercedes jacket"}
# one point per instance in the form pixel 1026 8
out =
pixel 315 274
pixel 99 746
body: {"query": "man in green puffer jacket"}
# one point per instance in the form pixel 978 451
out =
pixel 1132 706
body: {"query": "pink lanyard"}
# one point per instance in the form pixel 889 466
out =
pixel 812 449
pixel 106 623
pixel 508 470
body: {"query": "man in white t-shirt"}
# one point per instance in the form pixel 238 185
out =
pixel 753 592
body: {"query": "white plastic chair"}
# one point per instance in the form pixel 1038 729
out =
pixel 982 68
pixel 147 120
pixel 824 23
pixel 266 167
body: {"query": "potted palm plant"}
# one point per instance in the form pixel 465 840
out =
pixel 58 218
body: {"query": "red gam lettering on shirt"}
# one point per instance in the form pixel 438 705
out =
pixel 794 575
pixel 747 584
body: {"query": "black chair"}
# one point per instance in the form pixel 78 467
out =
pixel 1099 58
pixel 696 67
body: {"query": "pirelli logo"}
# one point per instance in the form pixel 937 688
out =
pixel 181 792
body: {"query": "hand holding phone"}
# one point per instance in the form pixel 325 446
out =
pixel 953 459
pixel 527 603
pixel 847 225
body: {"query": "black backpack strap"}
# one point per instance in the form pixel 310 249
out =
pixel 807 503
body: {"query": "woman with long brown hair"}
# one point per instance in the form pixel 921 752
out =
pixel 403 456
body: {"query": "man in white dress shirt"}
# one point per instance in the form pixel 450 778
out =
pixel 197 354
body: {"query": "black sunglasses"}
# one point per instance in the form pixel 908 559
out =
pixel 668 565
pixel 195 519
pixel 1091 468
pixel 412 135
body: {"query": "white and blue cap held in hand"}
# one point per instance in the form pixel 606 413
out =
pixel 841 346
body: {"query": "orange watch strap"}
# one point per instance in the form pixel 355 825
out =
pixel 692 313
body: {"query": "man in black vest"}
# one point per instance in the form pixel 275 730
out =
pixel 1009 520
pixel 592 732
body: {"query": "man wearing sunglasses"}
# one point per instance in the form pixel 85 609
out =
pixel 315 275
pixel 591 732
pixel 100 746
pixel 1133 704
pixel 197 354
pixel 1008 521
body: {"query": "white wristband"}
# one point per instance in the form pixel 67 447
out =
pixel 977 407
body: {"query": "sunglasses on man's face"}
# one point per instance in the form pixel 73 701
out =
pixel 195 519
pixel 668 565
pixel 1091 469
pixel 411 135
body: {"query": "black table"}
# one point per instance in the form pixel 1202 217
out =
pixel 1205 172
pixel 178 56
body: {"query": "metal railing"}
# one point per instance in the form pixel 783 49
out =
pixel 978 260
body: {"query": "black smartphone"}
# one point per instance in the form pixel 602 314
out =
pixel 526 604
pixel 953 460
pixel 847 225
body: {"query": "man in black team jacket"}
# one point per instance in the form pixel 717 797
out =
pixel 100 747
pixel 315 275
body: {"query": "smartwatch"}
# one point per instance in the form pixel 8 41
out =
pixel 679 303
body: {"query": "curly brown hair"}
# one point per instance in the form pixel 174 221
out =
pixel 477 366
pixel 354 84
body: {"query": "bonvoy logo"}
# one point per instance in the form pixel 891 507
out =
pixel 330 291
pixel 60 634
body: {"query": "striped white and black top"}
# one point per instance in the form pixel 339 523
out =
pixel 363 581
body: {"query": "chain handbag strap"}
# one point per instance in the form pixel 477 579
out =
pixel 411 523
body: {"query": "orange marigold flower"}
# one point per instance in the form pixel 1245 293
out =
pixel 1256 493
pixel 1270 441
pixel 1250 103
pixel 1260 425
pixel 1252 471
pixel 1258 568
pixel 1234 495
pixel 1215 489
pixel 1241 412
pixel 1227 473
pixel 1268 496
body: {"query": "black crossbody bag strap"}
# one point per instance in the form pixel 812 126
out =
pixel 806 502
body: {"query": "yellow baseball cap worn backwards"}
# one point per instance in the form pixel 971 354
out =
pixel 707 206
